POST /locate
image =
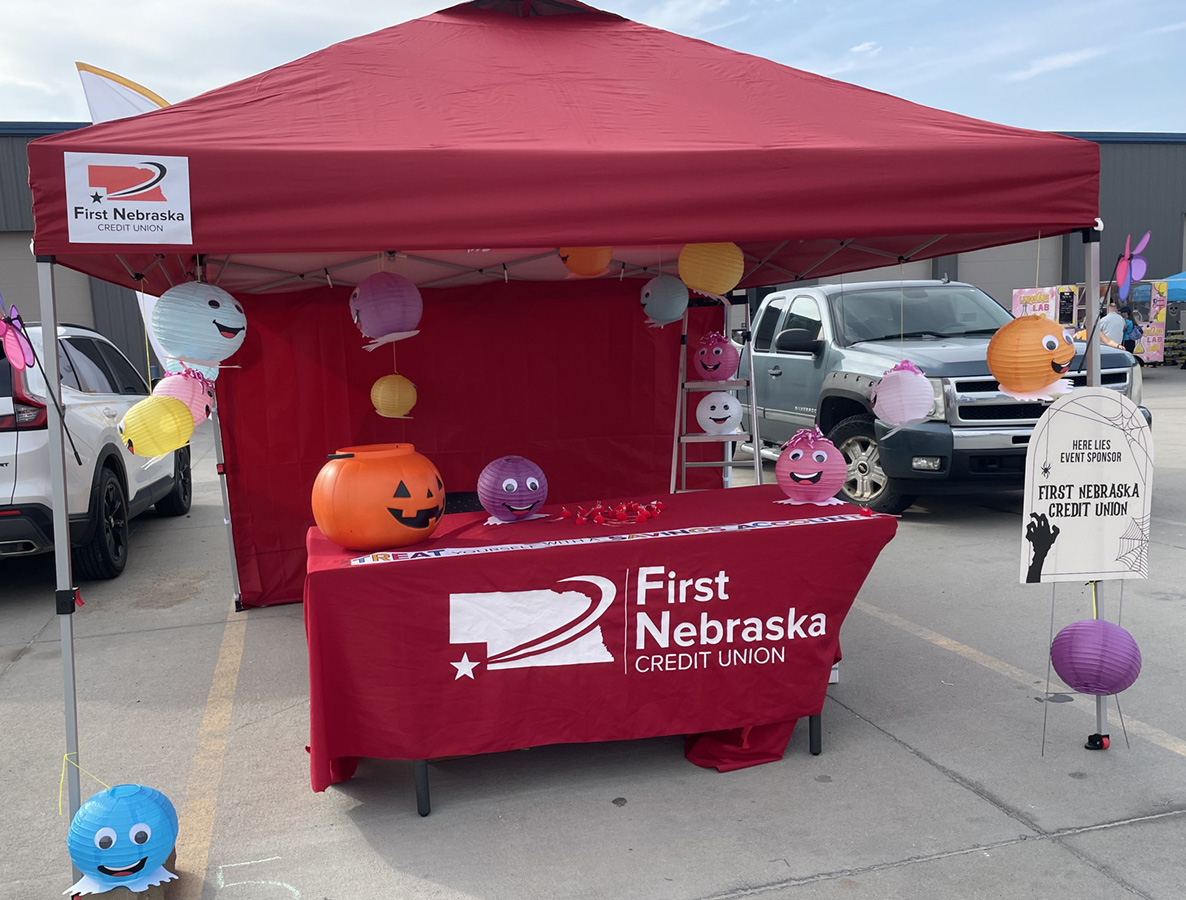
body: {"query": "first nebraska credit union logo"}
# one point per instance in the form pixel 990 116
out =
pixel 120 198
pixel 532 628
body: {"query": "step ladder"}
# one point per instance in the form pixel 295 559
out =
pixel 682 437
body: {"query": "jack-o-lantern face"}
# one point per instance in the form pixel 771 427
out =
pixel 810 468
pixel 716 359
pixel 378 496
pixel 1029 354
pixel 419 512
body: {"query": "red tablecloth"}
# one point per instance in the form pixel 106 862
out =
pixel 723 613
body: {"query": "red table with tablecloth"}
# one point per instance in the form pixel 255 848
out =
pixel 720 618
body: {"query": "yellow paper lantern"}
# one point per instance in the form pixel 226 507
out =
pixel 711 268
pixel 587 261
pixel 156 425
pixel 393 396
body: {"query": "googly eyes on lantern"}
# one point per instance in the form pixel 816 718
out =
pixel 810 469
pixel 716 359
pixel 105 838
pixel 121 837
pixel 512 489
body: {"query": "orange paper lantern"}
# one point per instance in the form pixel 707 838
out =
pixel 378 496
pixel 1029 356
pixel 711 268
pixel 587 261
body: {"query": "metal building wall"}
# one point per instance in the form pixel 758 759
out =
pixel 1142 188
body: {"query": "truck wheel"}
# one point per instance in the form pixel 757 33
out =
pixel 177 501
pixel 106 553
pixel 867 483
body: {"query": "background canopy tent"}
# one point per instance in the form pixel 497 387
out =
pixel 461 150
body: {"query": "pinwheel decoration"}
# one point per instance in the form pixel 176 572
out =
pixel 16 343
pixel 1131 266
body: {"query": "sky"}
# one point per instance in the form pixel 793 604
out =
pixel 1090 65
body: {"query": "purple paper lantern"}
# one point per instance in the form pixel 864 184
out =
pixel 512 489
pixel 1096 657
pixel 386 304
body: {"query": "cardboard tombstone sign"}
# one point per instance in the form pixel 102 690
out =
pixel 1088 480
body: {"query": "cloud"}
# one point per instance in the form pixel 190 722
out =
pixel 684 16
pixel 1166 29
pixel 872 48
pixel 1056 62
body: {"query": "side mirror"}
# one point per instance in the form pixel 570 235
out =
pixel 797 340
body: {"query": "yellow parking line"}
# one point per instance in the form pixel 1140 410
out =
pixel 1134 726
pixel 196 819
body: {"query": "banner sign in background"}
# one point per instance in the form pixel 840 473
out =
pixel 1056 303
pixel 1088 475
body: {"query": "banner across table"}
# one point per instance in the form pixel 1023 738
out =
pixel 719 619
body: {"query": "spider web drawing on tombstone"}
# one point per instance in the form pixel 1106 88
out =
pixel 1134 546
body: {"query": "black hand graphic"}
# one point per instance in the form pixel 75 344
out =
pixel 1042 535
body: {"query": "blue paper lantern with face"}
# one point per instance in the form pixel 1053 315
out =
pixel 199 323
pixel 121 837
pixel 664 299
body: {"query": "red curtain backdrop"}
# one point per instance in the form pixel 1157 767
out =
pixel 566 374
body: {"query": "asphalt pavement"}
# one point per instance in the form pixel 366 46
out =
pixel 935 780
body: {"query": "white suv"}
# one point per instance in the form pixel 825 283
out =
pixel 106 486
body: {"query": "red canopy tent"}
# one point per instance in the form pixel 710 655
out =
pixel 462 149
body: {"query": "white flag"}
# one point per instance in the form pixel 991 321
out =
pixel 110 96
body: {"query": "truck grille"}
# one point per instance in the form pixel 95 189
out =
pixel 978 401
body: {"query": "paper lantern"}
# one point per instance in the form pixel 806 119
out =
pixel 156 425
pixel 378 496
pixel 711 268
pixel 1094 656
pixel 198 323
pixel 587 261
pixel 716 358
pixel 121 837
pixel 664 299
pixel 177 367
pixel 512 489
pixel 393 396
pixel 903 396
pixel 192 389
pixel 1029 355
pixel 719 413
pixel 386 307
pixel 810 469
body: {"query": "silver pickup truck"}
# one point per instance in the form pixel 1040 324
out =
pixel 819 350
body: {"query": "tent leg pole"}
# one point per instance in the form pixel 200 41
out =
pixel 220 461
pixel 64 594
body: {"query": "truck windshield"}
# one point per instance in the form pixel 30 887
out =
pixel 935 311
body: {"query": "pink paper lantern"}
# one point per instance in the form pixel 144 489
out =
pixel 192 389
pixel 385 306
pixel 1094 656
pixel 810 468
pixel 903 396
pixel 716 358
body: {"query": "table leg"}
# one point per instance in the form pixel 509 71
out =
pixel 815 735
pixel 420 767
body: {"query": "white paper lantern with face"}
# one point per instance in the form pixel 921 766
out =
pixel 719 413
pixel 199 323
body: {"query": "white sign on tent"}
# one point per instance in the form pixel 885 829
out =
pixel 1088 476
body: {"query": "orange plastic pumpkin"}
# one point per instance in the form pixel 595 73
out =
pixel 378 496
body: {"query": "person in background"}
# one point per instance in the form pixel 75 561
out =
pixel 1112 326
pixel 1132 332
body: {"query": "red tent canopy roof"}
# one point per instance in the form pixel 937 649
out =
pixel 516 134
